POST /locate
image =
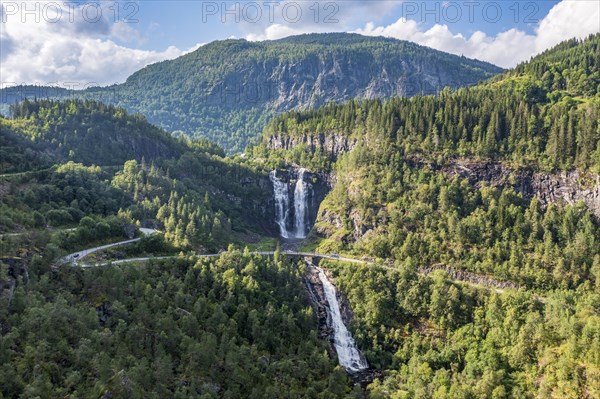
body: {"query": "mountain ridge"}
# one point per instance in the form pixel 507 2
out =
pixel 228 90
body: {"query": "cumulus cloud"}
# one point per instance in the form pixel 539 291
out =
pixel 292 17
pixel 73 48
pixel 565 20
pixel 70 47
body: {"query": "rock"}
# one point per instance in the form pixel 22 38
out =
pixel 463 275
pixel 365 377
pixel 333 144
pixel 567 187
pixel 315 292
pixel 103 312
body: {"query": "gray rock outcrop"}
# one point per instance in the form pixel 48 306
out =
pixel 566 187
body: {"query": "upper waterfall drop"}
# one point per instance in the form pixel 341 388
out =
pixel 281 195
pixel 292 212
pixel 300 206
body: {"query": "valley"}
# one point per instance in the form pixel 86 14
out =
pixel 375 241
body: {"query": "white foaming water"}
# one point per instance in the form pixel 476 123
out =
pixel 348 354
pixel 280 192
pixel 300 206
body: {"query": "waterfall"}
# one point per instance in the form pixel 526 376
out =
pixel 292 223
pixel 282 199
pixel 348 354
pixel 300 206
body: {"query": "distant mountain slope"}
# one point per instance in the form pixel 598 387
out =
pixel 227 90
pixel 48 142
pixel 542 113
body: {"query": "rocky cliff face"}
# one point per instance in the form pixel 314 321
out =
pixel 564 187
pixel 332 144
pixel 258 209
pixel 561 188
pixel 343 75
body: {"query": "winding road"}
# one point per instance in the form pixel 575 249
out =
pixel 301 254
pixel 75 257
pixel 262 253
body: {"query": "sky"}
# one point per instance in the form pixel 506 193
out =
pixel 76 44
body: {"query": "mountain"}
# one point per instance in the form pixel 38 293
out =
pixel 227 91
pixel 70 159
pixel 473 210
pixel 542 113
pixel 478 178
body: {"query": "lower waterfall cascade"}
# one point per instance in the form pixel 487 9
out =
pixel 293 221
pixel 349 356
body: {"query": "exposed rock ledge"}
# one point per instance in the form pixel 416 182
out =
pixel 331 143
pixel 564 187
pixel 469 277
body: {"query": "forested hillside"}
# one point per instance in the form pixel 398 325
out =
pixel 64 161
pixel 238 326
pixel 393 199
pixel 398 196
pixel 86 131
pixel 439 339
pixel 228 90
pixel 543 113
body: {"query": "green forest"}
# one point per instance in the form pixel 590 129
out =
pixel 238 326
pixel 208 317
pixel 441 339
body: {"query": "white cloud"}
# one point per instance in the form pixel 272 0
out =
pixel 565 20
pixel 99 52
pixel 193 48
pixel 125 33
pixel 279 31
pixel 70 50
pixel 315 17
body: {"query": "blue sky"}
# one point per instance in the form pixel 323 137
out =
pixel 101 43
pixel 185 23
